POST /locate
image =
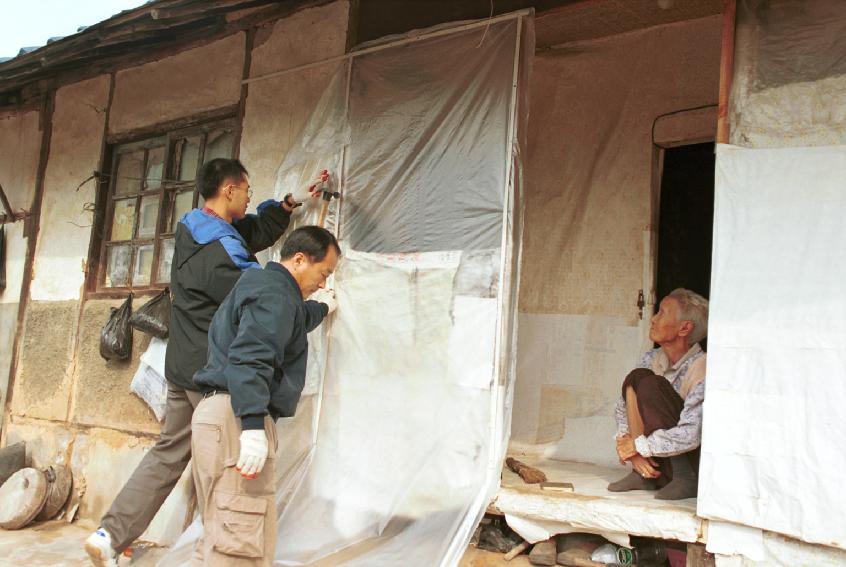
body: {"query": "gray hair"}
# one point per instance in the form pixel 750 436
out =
pixel 694 308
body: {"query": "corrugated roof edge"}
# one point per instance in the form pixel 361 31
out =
pixel 30 49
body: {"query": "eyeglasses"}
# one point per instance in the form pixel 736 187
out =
pixel 249 191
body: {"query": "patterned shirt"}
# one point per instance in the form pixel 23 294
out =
pixel 688 379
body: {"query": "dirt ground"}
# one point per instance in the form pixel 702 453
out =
pixel 59 544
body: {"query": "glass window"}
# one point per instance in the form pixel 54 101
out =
pixel 148 216
pixel 128 172
pixel 219 145
pixel 143 265
pixel 182 205
pixel 155 168
pixel 124 219
pixel 117 269
pixel 189 157
pixel 151 188
pixel 165 259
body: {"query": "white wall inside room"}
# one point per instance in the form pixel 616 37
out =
pixel 65 229
pixel 588 223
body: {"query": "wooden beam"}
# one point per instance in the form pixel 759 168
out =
pixel 34 221
pixel 249 43
pixel 208 6
pixel 726 69
pixel 9 212
pixel 221 113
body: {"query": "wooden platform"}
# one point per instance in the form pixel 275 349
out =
pixel 592 508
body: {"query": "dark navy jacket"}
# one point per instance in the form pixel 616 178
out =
pixel 208 258
pixel 258 347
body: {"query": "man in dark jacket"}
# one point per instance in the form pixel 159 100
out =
pixel 255 373
pixel 214 246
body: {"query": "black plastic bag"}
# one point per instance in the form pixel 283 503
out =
pixel 116 336
pixel 153 317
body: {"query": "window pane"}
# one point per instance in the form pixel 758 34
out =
pixel 188 150
pixel 128 172
pixel 155 168
pixel 182 204
pixel 124 220
pixel 165 258
pixel 148 216
pixel 117 270
pixel 219 145
pixel 143 265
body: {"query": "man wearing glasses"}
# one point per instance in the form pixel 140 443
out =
pixel 214 246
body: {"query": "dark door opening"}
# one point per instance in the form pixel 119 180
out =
pixel 686 220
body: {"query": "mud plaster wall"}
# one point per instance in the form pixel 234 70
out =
pixel 101 461
pixel 9 298
pixel 183 85
pixel 67 382
pixel 43 379
pixel 70 404
pixel 587 222
pixel 20 145
pixel 8 328
pixel 101 393
pixel 277 108
pixel 65 229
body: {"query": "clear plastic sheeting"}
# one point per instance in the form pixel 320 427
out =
pixel 428 144
pixel 789 86
pixel 397 445
pixel 320 146
pixel 773 426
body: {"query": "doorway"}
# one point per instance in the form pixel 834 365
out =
pixel 686 220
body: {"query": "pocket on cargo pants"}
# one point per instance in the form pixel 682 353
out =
pixel 239 525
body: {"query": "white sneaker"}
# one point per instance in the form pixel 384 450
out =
pixel 98 546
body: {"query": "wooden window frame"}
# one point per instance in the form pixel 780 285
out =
pixel 167 191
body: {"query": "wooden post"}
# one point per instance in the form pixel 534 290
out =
pixel 6 206
pixel 726 69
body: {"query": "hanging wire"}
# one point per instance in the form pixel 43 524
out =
pixel 487 27
pixel 105 177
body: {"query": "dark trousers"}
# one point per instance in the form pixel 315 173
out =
pixel 660 407
pixel 156 474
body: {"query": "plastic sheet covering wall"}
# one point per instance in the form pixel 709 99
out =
pixel 772 447
pixel 398 441
pixel 789 86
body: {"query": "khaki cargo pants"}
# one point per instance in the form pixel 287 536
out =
pixel 239 515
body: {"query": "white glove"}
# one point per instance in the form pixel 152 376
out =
pixel 327 297
pixel 253 452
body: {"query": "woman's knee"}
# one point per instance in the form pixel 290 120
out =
pixel 634 379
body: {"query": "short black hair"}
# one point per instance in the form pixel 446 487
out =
pixel 313 241
pixel 214 173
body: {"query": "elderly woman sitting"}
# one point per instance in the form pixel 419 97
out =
pixel 659 415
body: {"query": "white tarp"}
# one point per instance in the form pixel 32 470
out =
pixel 398 441
pixel 772 447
